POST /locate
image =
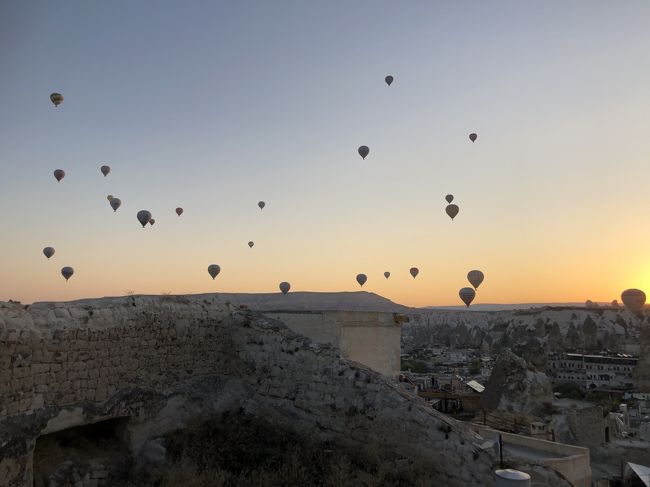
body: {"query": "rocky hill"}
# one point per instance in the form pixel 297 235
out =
pixel 136 369
pixel 313 301
pixel 298 301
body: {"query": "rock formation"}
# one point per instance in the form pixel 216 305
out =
pixel 515 386
pixel 528 332
pixel 642 370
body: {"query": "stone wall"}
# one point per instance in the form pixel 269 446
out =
pixel 587 424
pixel 572 462
pixel 370 338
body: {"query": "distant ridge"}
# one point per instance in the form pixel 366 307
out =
pixel 293 301
pixel 314 301
pixel 348 301
pixel 504 307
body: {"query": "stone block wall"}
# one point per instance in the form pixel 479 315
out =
pixel 587 425
pixel 56 355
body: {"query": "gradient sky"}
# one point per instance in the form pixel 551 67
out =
pixel 213 106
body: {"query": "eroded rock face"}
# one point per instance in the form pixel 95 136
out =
pixel 162 362
pixel 554 329
pixel 516 386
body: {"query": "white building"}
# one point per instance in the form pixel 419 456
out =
pixel 592 371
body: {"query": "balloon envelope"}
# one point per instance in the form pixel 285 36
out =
pixel 361 279
pixel 48 252
pixel 284 287
pixel 105 170
pixel 364 151
pixel 475 278
pixel 414 271
pixel 251 243
pixel 452 210
pixel 388 79
pixel 633 299
pixel 472 137
pixel 67 272
pixel 449 198
pixel 214 270
pixel 386 274
pixel 261 204
pixel 179 211
pixel 109 197
pixel 56 98
pixel 59 174
pixel 467 295
pixel 151 222
pixel 115 203
pixel 143 217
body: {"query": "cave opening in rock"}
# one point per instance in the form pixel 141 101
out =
pixel 91 454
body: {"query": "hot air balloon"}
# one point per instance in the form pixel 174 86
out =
pixel 475 278
pixel 614 304
pixel 56 98
pixel 389 80
pixel 472 137
pixel 449 198
pixel 261 204
pixel 214 270
pixel 364 151
pixel 115 203
pixel 633 299
pixel 361 279
pixel 467 295
pixel 151 222
pixel 143 217
pixel 452 210
pixel 251 243
pixel 109 197
pixel 386 274
pixel 179 211
pixel 48 252
pixel 414 271
pixel 284 287
pixel 59 174
pixel 105 170
pixel 67 272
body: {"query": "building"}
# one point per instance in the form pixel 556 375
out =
pixel 593 371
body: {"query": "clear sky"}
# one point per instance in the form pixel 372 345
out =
pixel 215 105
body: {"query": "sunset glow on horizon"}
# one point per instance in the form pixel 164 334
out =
pixel 217 106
